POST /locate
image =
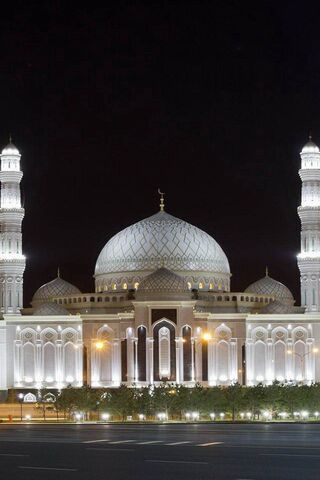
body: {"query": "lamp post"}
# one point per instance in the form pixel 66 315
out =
pixel 20 397
pixel 302 356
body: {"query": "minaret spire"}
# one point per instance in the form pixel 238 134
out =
pixel 162 194
pixel 12 260
pixel 309 213
pixel 267 271
pixel 58 272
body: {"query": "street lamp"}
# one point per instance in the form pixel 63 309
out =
pixel 20 397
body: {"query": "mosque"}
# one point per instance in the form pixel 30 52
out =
pixel 162 309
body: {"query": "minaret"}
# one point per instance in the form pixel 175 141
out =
pixel 309 213
pixel 12 261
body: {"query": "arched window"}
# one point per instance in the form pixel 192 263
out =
pixel 187 354
pixel 200 285
pixel 142 339
pixel 164 352
pixel 125 286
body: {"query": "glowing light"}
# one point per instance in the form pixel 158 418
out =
pixel 141 417
pixel 212 416
pixel 20 396
pixel 315 350
pixel 267 414
pixel 248 414
pixel 283 414
pixel 316 414
pixel 303 255
pixel 206 336
pixel 222 415
pixel 78 416
pixel 195 415
pixel 105 416
pixel 187 415
pixel 304 414
pixel 162 416
pixel 289 352
pixel 99 345
pixel 28 417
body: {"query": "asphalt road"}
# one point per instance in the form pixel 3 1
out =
pixel 118 452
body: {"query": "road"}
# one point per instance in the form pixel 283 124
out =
pixel 129 452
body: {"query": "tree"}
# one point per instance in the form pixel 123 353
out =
pixel 234 396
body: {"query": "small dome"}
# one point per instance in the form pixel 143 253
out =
pixel 10 149
pixel 269 286
pixel 163 280
pixel 161 283
pixel 56 288
pixel 50 308
pixel 310 147
pixel 277 307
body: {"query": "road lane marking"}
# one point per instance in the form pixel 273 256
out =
pixel 176 443
pixel 289 455
pixel 122 441
pixel 13 455
pixel 96 441
pixel 111 449
pixel 176 461
pixel 150 442
pixel 209 444
pixel 48 468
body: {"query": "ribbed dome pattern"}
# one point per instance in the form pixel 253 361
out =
pixel 161 240
pixel 50 308
pixel 163 280
pixel 277 307
pixel 270 286
pixel 56 288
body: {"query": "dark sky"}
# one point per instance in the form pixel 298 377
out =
pixel 211 101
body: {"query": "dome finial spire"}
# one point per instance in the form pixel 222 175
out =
pixel 10 138
pixel 310 136
pixel 267 271
pixel 161 200
pixel 58 272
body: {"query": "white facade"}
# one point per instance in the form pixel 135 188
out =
pixel 162 309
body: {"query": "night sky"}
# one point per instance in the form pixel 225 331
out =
pixel 211 101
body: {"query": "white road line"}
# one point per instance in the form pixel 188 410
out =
pixel 176 461
pixel 150 442
pixel 111 449
pixel 96 441
pixel 49 468
pixel 122 441
pixel 13 455
pixel 289 455
pixel 176 443
pixel 208 444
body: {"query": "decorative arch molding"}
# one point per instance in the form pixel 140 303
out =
pixel 164 352
pixel 30 398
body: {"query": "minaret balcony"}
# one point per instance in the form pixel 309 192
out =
pixel 13 176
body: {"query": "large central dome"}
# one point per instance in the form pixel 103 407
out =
pixel 162 241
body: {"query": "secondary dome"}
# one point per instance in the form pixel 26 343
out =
pixel 277 307
pixel 162 282
pixel 161 240
pixel 50 308
pixel 269 286
pixel 56 288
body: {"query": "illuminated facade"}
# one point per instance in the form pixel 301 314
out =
pixel 162 309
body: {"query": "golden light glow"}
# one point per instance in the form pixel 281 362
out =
pixel 206 336
pixel 99 345
pixel 289 352
pixel 315 350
